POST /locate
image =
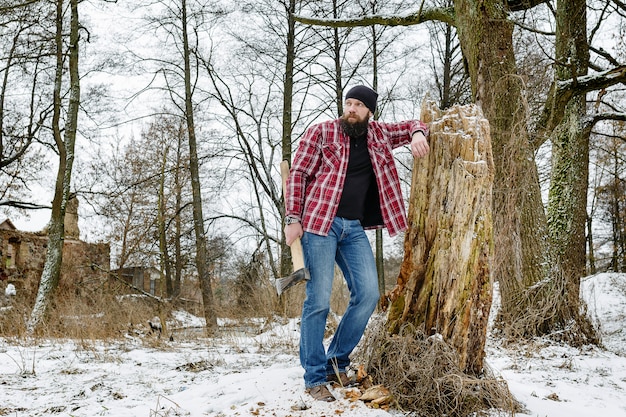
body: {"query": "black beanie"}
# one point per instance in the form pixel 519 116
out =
pixel 364 94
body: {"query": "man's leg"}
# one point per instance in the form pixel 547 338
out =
pixel 356 260
pixel 319 258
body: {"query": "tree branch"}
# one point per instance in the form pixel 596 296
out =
pixel 532 29
pixel 6 6
pixel 590 121
pixel 598 117
pixel 23 205
pixel 605 55
pixel 592 82
pixel 562 91
pixel 440 14
pixel 620 4
pixel 519 5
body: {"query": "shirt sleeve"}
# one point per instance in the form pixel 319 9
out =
pixel 401 133
pixel 421 127
pixel 305 163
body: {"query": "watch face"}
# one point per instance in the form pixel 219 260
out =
pixel 290 220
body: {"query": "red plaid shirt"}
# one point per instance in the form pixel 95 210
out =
pixel 315 182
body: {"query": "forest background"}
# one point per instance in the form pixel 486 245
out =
pixel 168 120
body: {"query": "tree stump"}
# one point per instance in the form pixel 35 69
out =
pixel 444 285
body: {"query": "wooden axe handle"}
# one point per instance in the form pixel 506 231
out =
pixel 297 258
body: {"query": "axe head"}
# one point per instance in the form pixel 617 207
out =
pixel 289 281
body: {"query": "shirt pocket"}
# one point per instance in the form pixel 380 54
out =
pixel 381 154
pixel 332 154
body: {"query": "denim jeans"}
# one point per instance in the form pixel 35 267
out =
pixel 348 246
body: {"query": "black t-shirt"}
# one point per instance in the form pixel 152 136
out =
pixel 359 199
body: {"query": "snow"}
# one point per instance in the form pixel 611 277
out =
pixel 238 374
pixel 10 291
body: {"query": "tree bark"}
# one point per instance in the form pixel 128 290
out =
pixel 445 278
pixel 178 223
pixel 288 81
pixel 520 224
pixel 164 256
pixel 567 201
pixel 202 264
pixel 65 145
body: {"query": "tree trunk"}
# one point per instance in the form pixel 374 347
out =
pixel 164 256
pixel 567 204
pixel 615 196
pixel 65 145
pixel 178 226
pixel 445 279
pixel 290 57
pixel 591 250
pixel 378 242
pixel 520 224
pixel 286 261
pixel 202 265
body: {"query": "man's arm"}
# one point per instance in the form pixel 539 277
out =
pixel 306 160
pixel 401 133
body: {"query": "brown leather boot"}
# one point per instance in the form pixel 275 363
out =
pixel 321 393
pixel 341 379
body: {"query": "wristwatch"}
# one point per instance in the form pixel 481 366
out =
pixel 291 220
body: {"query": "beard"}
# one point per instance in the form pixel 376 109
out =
pixel 354 129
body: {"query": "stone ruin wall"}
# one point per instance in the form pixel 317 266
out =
pixel 23 254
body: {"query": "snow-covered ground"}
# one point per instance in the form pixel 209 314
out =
pixel 240 375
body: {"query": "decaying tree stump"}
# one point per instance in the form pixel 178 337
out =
pixel 444 284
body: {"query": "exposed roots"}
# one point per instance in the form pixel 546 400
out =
pixel 541 311
pixel 424 378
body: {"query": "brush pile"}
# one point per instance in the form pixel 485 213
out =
pixel 423 376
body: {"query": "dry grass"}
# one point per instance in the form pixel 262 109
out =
pixel 424 378
pixel 98 315
pixel 111 310
pixel 541 311
pixel 165 408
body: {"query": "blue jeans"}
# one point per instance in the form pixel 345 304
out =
pixel 348 246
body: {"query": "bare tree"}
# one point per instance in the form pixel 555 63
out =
pixel 65 139
pixel 567 207
pixel 568 123
pixel 25 105
pixel 261 90
pixel 202 256
pixel 142 190
pixel 612 195
pixel 176 76
pixel 167 138
pixel 123 193
pixel 450 77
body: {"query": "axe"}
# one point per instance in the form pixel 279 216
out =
pixel 300 272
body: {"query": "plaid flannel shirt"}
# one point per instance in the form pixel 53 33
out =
pixel 318 171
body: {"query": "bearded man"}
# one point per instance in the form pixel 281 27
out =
pixel 343 180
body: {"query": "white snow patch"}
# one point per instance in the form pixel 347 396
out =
pixel 259 374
